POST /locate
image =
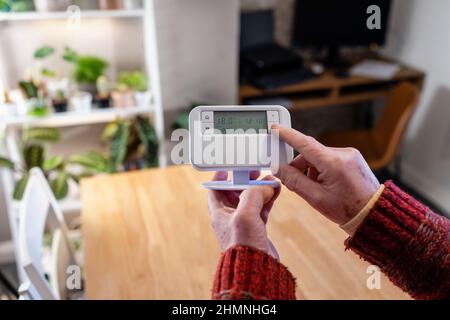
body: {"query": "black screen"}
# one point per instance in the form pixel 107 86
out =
pixel 336 23
pixel 257 28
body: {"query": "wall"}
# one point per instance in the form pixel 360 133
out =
pixel 419 37
pixel 197 48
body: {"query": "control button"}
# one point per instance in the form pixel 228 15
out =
pixel 207 116
pixel 207 127
pixel 271 123
pixel 273 116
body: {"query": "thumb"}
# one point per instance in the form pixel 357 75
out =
pixel 254 199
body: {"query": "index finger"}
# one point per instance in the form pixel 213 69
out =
pixel 307 146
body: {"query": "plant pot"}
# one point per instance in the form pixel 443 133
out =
pixel 110 4
pixel 60 106
pixel 103 102
pixel 51 5
pixel 122 99
pixel 82 102
pixel 132 4
pixel 143 99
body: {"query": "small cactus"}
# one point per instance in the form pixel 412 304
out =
pixel 103 86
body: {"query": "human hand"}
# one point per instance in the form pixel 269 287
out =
pixel 338 181
pixel 240 218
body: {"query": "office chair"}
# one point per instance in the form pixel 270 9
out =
pixel 380 145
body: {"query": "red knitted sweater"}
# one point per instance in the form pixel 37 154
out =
pixel 409 242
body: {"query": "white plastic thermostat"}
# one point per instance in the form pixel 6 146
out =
pixel 238 139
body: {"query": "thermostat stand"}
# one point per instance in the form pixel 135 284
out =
pixel 241 181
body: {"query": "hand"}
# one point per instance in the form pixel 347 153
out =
pixel 338 182
pixel 240 218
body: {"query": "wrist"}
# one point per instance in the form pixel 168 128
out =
pixel 352 225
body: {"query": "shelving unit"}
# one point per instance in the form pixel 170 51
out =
pixel 72 118
pixel 13 124
pixel 58 15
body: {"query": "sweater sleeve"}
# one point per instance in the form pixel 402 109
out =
pixel 409 242
pixel 245 273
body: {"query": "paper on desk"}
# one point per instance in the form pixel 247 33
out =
pixel 375 69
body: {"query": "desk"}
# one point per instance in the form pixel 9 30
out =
pixel 147 235
pixel 329 89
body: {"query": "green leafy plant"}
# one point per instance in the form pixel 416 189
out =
pixel 136 81
pixel 39 108
pixel 4 5
pixel 43 52
pixel 128 142
pixel 16 5
pixel 87 68
pixel 34 155
pixel 29 88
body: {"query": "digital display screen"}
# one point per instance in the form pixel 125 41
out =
pixel 244 120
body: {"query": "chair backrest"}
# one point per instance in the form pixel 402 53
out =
pixel 39 211
pixel 389 130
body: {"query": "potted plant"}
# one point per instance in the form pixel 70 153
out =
pixel 81 102
pixel 103 97
pixel 59 102
pixel 35 103
pixel 122 96
pixel 131 145
pixel 137 81
pixel 34 155
pixel 87 69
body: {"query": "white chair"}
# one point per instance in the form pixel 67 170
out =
pixel 27 292
pixel 39 212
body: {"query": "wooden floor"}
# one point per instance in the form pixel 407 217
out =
pixel 148 236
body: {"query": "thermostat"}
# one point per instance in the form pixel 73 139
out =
pixel 238 139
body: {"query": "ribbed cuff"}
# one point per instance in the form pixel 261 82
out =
pixel 247 273
pixel 408 242
pixel 351 226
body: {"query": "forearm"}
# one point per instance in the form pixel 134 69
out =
pixel 409 242
pixel 247 273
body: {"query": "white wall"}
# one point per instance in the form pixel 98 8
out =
pixel 419 36
pixel 198 51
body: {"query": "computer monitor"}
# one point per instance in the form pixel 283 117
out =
pixel 257 28
pixel 332 24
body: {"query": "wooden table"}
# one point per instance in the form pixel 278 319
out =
pixel 147 235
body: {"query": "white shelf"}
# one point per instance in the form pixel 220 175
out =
pixel 60 15
pixel 71 118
